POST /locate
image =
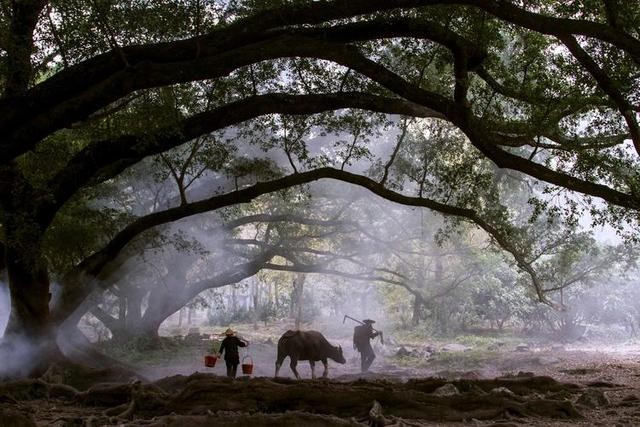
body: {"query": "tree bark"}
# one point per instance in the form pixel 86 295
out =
pixel 3 265
pixel 255 299
pixel 417 308
pixel 144 328
pixel 298 289
pixel 114 325
pixel 29 287
pixel 180 315
pixel 122 313
pixel 189 316
pixel 29 328
pixel 234 299
pixel 134 307
pixel 20 45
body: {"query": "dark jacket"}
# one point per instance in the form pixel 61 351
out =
pixel 230 347
pixel 361 336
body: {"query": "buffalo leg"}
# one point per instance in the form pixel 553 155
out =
pixel 293 364
pixel 325 374
pixel 278 364
pixel 313 369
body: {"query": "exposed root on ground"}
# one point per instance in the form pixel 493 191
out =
pixel 199 398
pixel 413 400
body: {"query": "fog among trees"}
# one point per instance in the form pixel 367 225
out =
pixel 445 167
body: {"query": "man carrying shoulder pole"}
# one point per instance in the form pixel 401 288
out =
pixel 362 335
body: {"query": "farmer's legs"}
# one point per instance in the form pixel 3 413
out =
pixel 232 368
pixel 370 358
pixel 367 357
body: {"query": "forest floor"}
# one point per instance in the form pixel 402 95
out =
pixel 472 380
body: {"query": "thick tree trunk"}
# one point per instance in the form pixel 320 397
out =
pixel 136 326
pixel 129 320
pixel 134 307
pixel 114 325
pixel 417 308
pixel 145 329
pixel 79 349
pixel 255 299
pixel 3 265
pixel 234 299
pixel 363 304
pixel 148 329
pixel 122 314
pixel 298 289
pixel 161 304
pixel 439 273
pixel 500 323
pixel 19 45
pixel 180 315
pixel 29 287
pixel 29 343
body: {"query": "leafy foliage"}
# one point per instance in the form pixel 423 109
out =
pixel 520 118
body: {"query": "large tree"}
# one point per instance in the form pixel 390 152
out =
pixel 545 89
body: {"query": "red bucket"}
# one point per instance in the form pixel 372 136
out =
pixel 247 368
pixel 210 361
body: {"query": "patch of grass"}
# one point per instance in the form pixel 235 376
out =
pixel 416 336
pixel 471 358
pixel 165 350
pixel 420 337
pixel 410 362
pixel 484 341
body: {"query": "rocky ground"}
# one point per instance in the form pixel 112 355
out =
pixel 411 384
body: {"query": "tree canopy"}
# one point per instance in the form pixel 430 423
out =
pixel 448 105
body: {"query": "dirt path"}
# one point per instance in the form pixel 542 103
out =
pixel 581 364
pixel 537 387
pixel 610 380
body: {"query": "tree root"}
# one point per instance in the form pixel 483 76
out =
pixel 376 418
pixel 243 419
pixel 14 418
pixel 521 385
pixel 21 390
pixel 128 397
pixel 267 402
pixel 141 398
pixel 354 399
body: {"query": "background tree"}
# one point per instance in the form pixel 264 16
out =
pixel 90 89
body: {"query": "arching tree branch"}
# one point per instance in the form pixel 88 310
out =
pixel 107 158
pixel 76 290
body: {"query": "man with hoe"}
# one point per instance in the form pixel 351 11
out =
pixel 362 334
pixel 230 346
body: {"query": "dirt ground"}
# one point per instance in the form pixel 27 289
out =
pixel 409 384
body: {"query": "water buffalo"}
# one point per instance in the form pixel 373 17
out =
pixel 307 345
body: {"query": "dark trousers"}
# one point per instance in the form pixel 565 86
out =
pixel 366 358
pixel 232 367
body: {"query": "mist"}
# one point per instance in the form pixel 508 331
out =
pixel 5 307
pixel 401 266
pixel 17 356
